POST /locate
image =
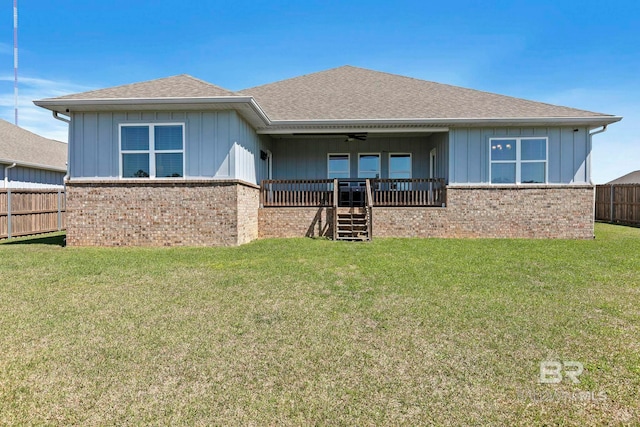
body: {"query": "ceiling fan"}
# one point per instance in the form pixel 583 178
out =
pixel 360 136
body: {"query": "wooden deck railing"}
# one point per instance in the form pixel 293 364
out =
pixel 408 192
pixel 299 192
pixel 380 192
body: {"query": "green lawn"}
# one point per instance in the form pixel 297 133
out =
pixel 302 331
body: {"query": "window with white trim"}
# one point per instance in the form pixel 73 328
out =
pixel 368 165
pixel 152 150
pixel 518 160
pixel 338 166
pixel 399 165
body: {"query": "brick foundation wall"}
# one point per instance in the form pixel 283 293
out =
pixel 486 211
pixel 295 222
pixel 161 213
pixel 481 211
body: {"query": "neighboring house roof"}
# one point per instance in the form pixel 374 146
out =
pixel 630 178
pixel 28 149
pixel 182 86
pixel 337 98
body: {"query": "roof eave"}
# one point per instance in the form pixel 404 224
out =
pixel 33 165
pixel 446 121
pixel 441 124
pixel 147 104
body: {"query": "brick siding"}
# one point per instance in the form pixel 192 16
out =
pixel 227 213
pixel 479 211
pixel 483 211
pixel 295 222
pixel 161 213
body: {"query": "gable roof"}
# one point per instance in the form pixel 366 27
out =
pixel 181 86
pixel 356 93
pixel 28 149
pixel 630 178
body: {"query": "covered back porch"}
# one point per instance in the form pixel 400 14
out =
pixel 343 208
pixel 338 179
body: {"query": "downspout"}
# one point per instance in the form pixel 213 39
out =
pixel 67 121
pixel 6 174
pixel 604 129
pixel 62 119
pixel 66 176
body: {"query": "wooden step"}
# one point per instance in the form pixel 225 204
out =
pixel 352 226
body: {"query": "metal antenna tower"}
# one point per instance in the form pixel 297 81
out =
pixel 15 59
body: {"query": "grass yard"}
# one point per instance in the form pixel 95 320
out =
pixel 314 332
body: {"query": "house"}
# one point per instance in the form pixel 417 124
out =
pixel 630 178
pixel 347 153
pixel 28 160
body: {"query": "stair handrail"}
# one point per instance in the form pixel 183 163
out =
pixel 369 206
pixel 369 200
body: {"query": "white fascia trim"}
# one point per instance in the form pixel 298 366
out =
pixel 62 105
pixel 444 120
pixel 33 165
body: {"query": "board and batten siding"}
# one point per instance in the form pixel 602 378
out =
pixel 218 144
pixel 568 162
pixel 306 157
pixel 25 177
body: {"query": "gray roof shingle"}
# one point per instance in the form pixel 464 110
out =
pixel 344 93
pixel 21 146
pixel 630 178
pixel 356 93
pixel 181 86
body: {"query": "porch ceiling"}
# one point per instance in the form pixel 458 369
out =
pixel 371 130
pixel 343 135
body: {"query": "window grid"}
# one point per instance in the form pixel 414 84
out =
pixel 518 162
pixel 151 151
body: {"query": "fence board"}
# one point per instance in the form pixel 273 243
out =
pixel 25 212
pixel 618 203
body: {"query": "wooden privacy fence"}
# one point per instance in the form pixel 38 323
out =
pixel 618 203
pixel 25 212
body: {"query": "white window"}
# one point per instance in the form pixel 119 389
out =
pixel 518 160
pixel 369 165
pixel 152 150
pixel 399 165
pixel 338 166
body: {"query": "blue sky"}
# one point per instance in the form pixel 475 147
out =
pixel 582 54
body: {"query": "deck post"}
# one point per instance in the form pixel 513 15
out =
pixel 335 208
